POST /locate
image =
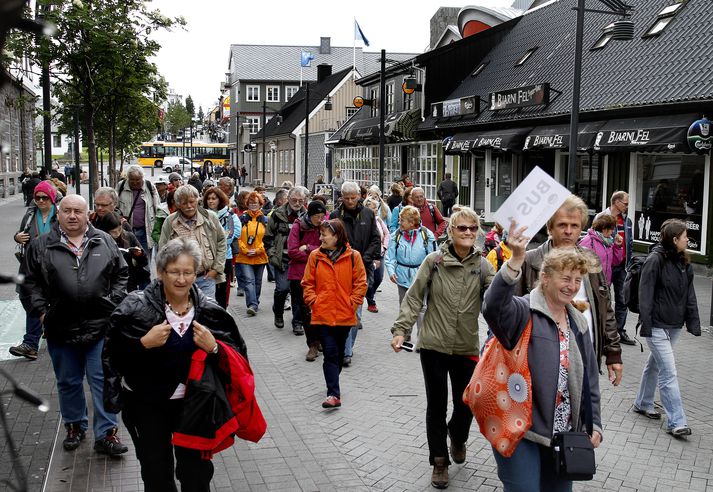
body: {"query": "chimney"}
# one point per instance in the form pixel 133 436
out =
pixel 325 46
pixel 324 70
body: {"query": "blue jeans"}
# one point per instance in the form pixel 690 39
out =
pixel 140 234
pixel 349 351
pixel 252 275
pixel 618 274
pixel 282 288
pixel 206 285
pixel 660 370
pixel 71 363
pixel 333 342
pixel 33 331
pixel 531 468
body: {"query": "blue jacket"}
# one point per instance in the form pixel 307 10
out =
pixel 393 223
pixel 628 234
pixel 404 257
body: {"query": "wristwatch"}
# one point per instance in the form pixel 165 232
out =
pixel 215 349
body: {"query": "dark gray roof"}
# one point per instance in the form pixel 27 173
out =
pixel 268 62
pixel 673 67
pixel 293 112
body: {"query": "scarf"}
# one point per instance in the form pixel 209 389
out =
pixel 333 254
pixel 44 227
pixel 606 241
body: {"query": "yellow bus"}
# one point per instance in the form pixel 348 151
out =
pixel 151 154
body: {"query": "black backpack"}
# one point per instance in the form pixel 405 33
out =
pixel 631 283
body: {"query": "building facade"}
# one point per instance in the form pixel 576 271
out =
pixel 17 140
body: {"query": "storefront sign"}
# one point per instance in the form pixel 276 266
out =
pixel 622 138
pixel 647 227
pixel 532 95
pixel 533 202
pixel 546 142
pixel 699 136
pixel 456 107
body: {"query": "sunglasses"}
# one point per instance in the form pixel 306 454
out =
pixel 41 197
pixel 463 228
pixel 331 227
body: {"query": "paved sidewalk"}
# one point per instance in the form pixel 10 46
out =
pixel 377 440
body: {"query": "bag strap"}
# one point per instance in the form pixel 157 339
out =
pixel 437 261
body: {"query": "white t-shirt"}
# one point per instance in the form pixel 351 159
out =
pixel 582 296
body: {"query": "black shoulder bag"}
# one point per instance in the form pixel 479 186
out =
pixel 573 451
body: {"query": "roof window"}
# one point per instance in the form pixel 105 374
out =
pixel 607 35
pixel 526 56
pixel 480 68
pixel 663 19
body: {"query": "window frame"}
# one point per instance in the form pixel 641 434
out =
pixel 526 56
pixel 290 91
pixel 271 97
pixel 664 19
pixel 252 93
pixel 254 124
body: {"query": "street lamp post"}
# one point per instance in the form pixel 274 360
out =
pixel 382 117
pixel 621 30
pixel 264 120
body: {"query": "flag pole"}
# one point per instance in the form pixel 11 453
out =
pixel 354 46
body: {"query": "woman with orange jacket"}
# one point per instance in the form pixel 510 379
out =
pixel 334 285
pixel 252 257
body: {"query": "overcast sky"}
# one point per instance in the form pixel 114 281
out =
pixel 194 61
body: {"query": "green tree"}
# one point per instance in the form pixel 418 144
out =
pixel 190 107
pixel 201 115
pixel 99 59
pixel 177 118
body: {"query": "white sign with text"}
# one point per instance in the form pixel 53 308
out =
pixel 533 202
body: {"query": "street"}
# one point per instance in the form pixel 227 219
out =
pixel 377 439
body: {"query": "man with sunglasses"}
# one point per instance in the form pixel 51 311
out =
pixel 364 237
pixel 625 229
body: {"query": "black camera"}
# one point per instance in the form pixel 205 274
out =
pixel 251 240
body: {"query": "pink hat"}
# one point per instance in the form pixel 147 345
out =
pixel 47 188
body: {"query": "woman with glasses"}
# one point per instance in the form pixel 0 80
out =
pixel 38 220
pixel 147 357
pixel 334 285
pixel 252 256
pixel 450 281
pixel 215 200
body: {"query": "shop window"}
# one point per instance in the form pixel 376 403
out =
pixel 671 186
pixel 664 18
pixel 427 169
pixel 359 164
pixel 526 56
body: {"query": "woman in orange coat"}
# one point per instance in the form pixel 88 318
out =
pixel 252 257
pixel 334 285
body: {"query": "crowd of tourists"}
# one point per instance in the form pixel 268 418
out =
pixel 128 293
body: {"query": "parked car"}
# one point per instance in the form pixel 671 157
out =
pixel 174 163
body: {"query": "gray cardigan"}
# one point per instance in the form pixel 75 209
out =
pixel 507 316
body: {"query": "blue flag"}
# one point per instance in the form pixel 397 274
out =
pixel 359 34
pixel 306 58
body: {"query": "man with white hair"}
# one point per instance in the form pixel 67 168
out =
pixel 138 203
pixel 74 278
pixel 364 237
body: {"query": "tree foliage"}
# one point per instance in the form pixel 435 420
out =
pixel 177 118
pixel 190 106
pixel 100 61
pixel 201 115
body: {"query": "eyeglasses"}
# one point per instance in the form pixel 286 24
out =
pixel 463 228
pixel 175 274
pixel 41 198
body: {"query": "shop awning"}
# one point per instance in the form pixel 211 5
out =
pixel 398 127
pixel 556 137
pixel 506 139
pixel 648 134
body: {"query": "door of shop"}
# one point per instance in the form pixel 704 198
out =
pixel 472 182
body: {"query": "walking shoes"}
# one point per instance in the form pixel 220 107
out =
pixel 110 444
pixel 24 350
pixel 331 402
pixel 75 435
pixel 439 478
pixel 312 353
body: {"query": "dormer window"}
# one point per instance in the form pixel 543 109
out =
pixel 526 56
pixel 607 35
pixel 663 19
pixel 480 68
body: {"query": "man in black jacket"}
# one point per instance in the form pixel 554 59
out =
pixel 75 277
pixel 447 193
pixel 364 237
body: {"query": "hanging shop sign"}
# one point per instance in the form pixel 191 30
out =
pixel 531 95
pixel 699 136
pixel 456 107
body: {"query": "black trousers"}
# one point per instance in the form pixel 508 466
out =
pixel 301 312
pixel 437 367
pixel 618 274
pixel 222 291
pixel 151 426
pixel 447 207
pixel 334 340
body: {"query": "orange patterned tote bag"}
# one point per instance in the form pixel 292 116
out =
pixel 500 393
